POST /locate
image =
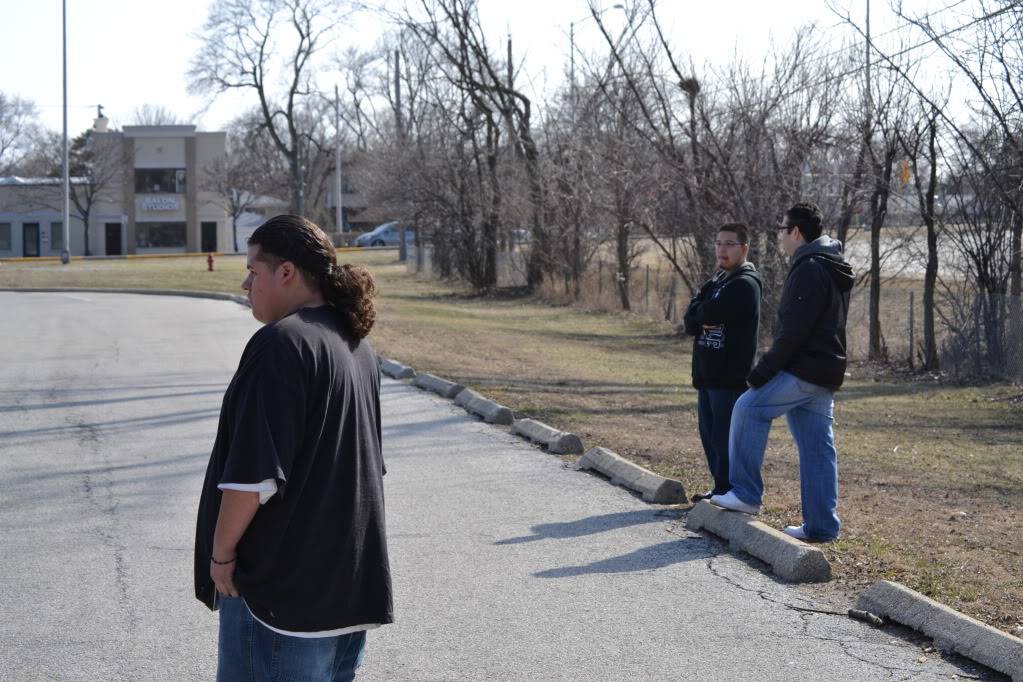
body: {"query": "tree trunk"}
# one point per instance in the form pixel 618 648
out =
pixel 295 177
pixel 490 224
pixel 931 273
pixel 879 209
pixel 85 226
pixel 622 252
pixel 849 192
pixel 534 265
pixel 1015 308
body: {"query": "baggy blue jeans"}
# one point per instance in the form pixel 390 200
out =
pixel 809 409
pixel 247 650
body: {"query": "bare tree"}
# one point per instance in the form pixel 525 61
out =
pixel 920 143
pixel 237 176
pixel 19 131
pixel 453 28
pixel 241 39
pixel 156 115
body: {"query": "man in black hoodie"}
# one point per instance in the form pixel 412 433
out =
pixel 724 317
pixel 798 377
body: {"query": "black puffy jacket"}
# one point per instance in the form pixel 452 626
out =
pixel 809 336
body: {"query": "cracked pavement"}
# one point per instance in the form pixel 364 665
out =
pixel 508 564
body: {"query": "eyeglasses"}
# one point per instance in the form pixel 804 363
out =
pixel 787 228
pixel 728 245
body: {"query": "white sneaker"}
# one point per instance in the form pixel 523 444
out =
pixel 730 501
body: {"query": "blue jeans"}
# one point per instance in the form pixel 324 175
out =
pixel 247 650
pixel 809 409
pixel 714 409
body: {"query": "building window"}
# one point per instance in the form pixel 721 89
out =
pixel 159 181
pixel 5 236
pixel 57 236
pixel 159 235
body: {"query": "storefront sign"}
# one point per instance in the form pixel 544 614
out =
pixel 158 203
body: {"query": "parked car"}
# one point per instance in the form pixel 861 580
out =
pixel 388 234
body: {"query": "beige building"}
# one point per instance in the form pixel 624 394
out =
pixel 152 190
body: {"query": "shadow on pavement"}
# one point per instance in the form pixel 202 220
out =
pixel 588 526
pixel 645 559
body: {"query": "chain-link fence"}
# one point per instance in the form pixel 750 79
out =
pixel 977 336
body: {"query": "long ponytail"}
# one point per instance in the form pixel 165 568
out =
pixel 350 289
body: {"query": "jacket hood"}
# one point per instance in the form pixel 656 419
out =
pixel 747 269
pixel 828 252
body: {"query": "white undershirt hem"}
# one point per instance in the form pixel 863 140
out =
pixel 319 633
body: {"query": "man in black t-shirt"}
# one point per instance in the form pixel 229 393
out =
pixel 290 539
pixel 724 318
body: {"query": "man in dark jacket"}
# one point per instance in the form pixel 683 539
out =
pixel 798 377
pixel 724 317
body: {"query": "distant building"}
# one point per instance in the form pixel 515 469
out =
pixel 150 197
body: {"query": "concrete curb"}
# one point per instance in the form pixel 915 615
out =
pixel 395 369
pixel 789 558
pixel 951 630
pixel 216 295
pixel 653 487
pixel 556 442
pixel 491 412
pixel 442 387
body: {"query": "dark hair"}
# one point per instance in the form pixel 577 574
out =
pixel 808 217
pixel 740 230
pixel 349 289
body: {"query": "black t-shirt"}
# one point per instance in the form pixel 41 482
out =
pixel 304 409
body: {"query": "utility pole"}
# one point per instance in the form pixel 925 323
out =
pixel 400 134
pixel 511 77
pixel 509 119
pixel 870 97
pixel 571 61
pixel 65 254
pixel 399 123
pixel 338 203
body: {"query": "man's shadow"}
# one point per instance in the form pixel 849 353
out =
pixel 644 559
pixel 591 525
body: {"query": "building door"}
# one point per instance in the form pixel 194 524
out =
pixel 113 235
pixel 209 237
pixel 30 240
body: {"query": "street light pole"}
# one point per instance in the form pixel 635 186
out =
pixel 65 254
pixel 571 63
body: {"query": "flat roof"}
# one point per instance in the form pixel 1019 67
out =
pixel 159 131
pixel 17 181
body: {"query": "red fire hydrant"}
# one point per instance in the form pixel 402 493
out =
pixel 209 262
